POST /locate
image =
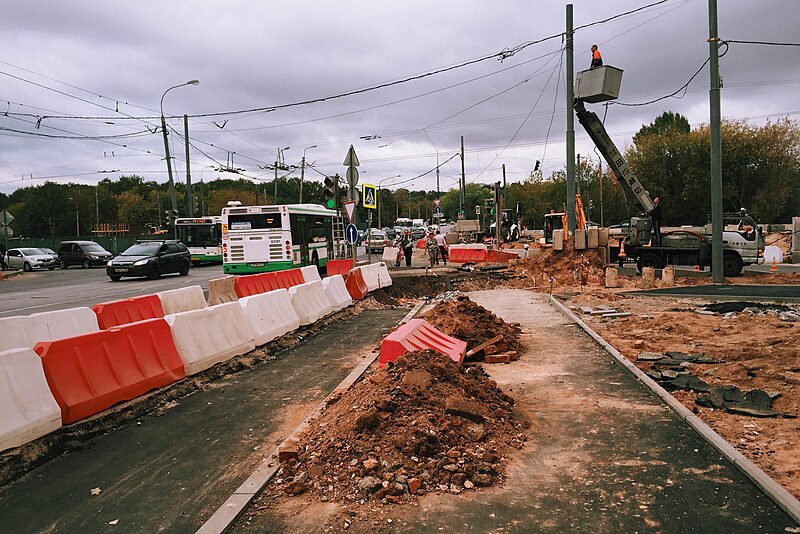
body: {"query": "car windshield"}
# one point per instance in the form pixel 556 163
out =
pixel 31 251
pixel 94 247
pixel 47 250
pixel 143 249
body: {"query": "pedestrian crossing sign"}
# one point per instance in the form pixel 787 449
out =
pixel 369 194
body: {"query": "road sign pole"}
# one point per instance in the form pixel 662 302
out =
pixel 351 162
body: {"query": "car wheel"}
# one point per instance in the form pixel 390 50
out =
pixel 27 267
pixel 732 264
pixel 649 259
pixel 155 274
pixel 87 264
pixel 50 268
pixel 185 270
pixel 63 264
pixel 115 278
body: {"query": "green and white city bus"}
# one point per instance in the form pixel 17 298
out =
pixel 202 236
pixel 258 239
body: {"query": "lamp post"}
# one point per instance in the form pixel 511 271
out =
pixel 303 171
pixel 278 159
pixel 77 219
pixel 172 197
pixel 380 202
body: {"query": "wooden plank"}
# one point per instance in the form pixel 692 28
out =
pixel 483 345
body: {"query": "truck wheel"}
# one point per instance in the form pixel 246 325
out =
pixel 732 264
pixel 649 259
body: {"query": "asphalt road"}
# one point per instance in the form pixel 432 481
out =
pixel 757 293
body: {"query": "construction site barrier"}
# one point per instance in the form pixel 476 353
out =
pixel 92 372
pixel 253 284
pixel 27 330
pixel 270 315
pixel 464 253
pixel 29 409
pixel 336 291
pixel 501 256
pixel 558 239
pixel 126 311
pixel 418 334
pixel 221 290
pixel 310 273
pixel 339 267
pixel 580 239
pixel 356 285
pixel 182 299
pixel 289 278
pixel 211 335
pixel 376 275
pixel 422 243
pixel 390 255
pixel 310 302
pixel 592 237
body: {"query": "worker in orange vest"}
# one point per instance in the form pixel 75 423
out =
pixel 597 60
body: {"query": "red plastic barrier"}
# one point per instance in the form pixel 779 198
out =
pixel 126 311
pixel 254 284
pixel 92 372
pixel 289 278
pixel 464 255
pixel 355 284
pixel 500 257
pixel 422 243
pixel 339 267
pixel 418 334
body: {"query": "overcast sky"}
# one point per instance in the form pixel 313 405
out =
pixel 104 66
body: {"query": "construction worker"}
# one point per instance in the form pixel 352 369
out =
pixel 655 216
pixel 597 59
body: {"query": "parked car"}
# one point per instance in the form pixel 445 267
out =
pixel 151 259
pixel 29 259
pixel 88 254
pixel 377 240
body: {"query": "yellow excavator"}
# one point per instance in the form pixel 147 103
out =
pixel 556 221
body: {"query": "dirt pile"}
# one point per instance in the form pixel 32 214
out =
pixel 421 424
pixel 568 267
pixel 471 322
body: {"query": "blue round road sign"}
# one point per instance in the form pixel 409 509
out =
pixel 351 234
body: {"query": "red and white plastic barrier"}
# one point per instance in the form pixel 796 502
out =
pixel 376 275
pixel 336 291
pixel 310 273
pixel 27 330
pixel 182 299
pixel 419 334
pixel 310 302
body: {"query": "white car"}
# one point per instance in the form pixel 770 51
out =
pixel 29 259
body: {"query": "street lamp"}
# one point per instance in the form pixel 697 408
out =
pixel 77 219
pixel 278 164
pixel 172 197
pixel 380 202
pixel 303 171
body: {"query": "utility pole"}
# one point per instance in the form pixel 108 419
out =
pixel 570 128
pixel 437 174
pixel 189 193
pixel 96 208
pixel 462 199
pixel 505 196
pixel 716 146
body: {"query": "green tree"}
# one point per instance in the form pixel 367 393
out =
pixel 667 122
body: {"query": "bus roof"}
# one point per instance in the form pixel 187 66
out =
pixel 315 209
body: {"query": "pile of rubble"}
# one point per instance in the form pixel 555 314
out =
pixel 568 267
pixel 488 337
pixel 421 424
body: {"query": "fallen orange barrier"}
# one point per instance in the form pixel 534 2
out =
pixel 418 334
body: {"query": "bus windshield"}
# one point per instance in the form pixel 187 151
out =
pixel 206 235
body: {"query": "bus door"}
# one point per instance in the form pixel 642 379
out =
pixel 302 239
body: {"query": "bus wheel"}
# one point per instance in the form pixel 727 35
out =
pixel 732 264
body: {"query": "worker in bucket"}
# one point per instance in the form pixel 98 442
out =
pixel 597 59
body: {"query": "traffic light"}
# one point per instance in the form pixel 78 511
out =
pixel 490 206
pixel 330 192
pixel 168 217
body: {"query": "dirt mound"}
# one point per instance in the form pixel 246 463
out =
pixel 568 267
pixel 421 424
pixel 471 322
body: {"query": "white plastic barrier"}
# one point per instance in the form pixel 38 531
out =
pixel 337 292
pixel 27 330
pixel 376 275
pixel 182 299
pixel 208 336
pixel 310 302
pixel 390 255
pixel 29 409
pixel 310 273
pixel 270 314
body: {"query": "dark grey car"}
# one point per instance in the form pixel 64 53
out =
pixel 151 259
pixel 87 254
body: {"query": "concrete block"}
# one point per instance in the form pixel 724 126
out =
pixel 558 239
pixel 611 277
pixel 580 239
pixel 592 237
pixel 668 276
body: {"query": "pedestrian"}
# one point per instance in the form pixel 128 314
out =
pixel 597 59
pixel 655 217
pixel 433 249
pixel 442 243
pixel 3 265
pixel 407 246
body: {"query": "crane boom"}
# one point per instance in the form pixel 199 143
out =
pixel 635 193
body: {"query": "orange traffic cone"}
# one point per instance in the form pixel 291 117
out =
pixel 696 267
pixel 774 267
pixel 621 249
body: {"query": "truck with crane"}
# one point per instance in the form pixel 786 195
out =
pixel 688 245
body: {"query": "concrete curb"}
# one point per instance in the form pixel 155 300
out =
pixel 772 489
pixel 227 514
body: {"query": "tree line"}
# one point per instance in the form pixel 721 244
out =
pixel 760 172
